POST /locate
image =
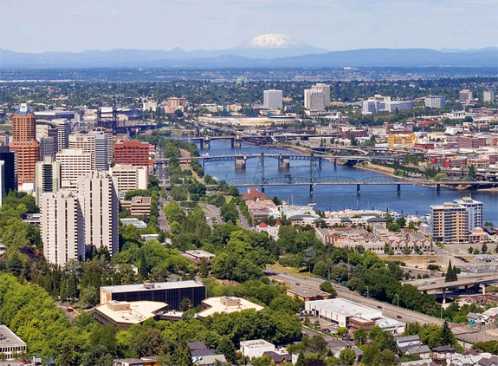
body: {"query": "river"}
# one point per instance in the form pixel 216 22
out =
pixel 410 200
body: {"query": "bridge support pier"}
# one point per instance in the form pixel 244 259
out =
pixel 357 189
pixel 240 163
pixel 237 143
pixel 438 188
pixel 483 288
pixel 312 189
pixel 206 143
pixel 319 163
pixel 283 163
pixel 262 161
pixel 335 163
pixel 398 188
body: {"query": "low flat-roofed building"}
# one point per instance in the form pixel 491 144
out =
pixel 353 315
pixel 144 361
pixel 226 305
pixel 198 255
pixel 32 218
pixel 390 325
pixel 123 314
pixel 204 356
pixel 149 237
pixel 10 344
pixel 138 206
pixel 173 293
pixel 32 362
pixel 133 221
pixel 256 348
pixel 261 210
pixel 307 293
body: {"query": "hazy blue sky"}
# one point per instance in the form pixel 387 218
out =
pixel 62 25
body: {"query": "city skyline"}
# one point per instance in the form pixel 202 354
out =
pixel 222 24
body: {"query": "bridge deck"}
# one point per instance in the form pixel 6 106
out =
pixel 332 183
pixel 439 284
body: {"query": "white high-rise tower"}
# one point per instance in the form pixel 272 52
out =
pixel 100 205
pixel 61 227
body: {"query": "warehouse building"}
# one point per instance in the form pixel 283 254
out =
pixel 352 315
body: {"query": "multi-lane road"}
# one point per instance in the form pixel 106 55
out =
pixel 390 310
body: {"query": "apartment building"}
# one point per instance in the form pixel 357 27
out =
pixel 475 212
pixel 61 227
pixel 272 99
pixel 100 208
pixel 450 223
pixel 129 178
pixel 74 163
pixel 435 101
pixel 98 143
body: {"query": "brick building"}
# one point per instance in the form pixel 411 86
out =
pixel 132 152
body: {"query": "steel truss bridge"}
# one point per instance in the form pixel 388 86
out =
pixel 317 157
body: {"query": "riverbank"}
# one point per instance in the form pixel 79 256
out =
pixel 378 169
pixel 413 199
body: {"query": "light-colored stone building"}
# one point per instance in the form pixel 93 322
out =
pixel 129 178
pixel 74 163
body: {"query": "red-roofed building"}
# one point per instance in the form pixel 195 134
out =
pixel 253 194
pixel 132 152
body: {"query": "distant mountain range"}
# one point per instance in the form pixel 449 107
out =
pixel 266 54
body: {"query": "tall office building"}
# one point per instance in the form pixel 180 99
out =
pixel 173 104
pixel 129 178
pixel 61 227
pixel 475 212
pixel 314 100
pixel 325 90
pixel 47 136
pixel 132 152
pixel 61 129
pixel 26 156
pixel 450 223
pixel 48 147
pixel 272 99
pixel 74 163
pixel 100 208
pixel 435 101
pixel 24 145
pixel 9 169
pixel 488 96
pixel 23 124
pixel 2 184
pixel 98 143
pixel 47 177
pixel 103 149
pixel 465 96
pixel 107 117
